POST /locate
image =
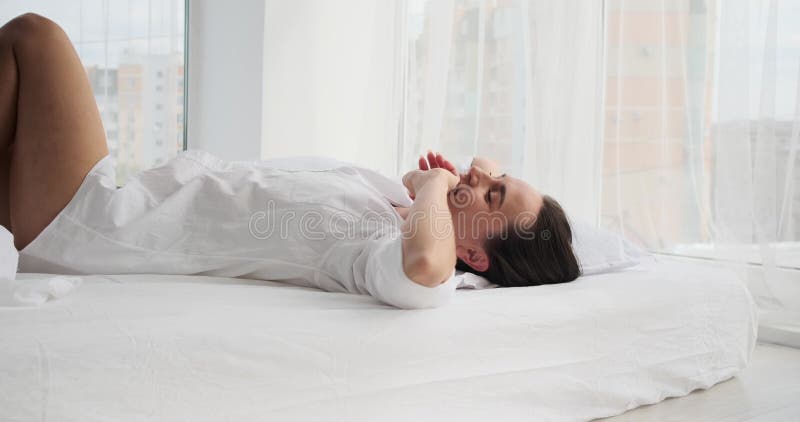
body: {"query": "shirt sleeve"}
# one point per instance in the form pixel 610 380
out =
pixel 385 280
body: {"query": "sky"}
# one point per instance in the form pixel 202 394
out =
pixel 140 26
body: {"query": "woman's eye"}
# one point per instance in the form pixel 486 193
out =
pixel 489 196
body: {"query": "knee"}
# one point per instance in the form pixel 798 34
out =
pixel 30 27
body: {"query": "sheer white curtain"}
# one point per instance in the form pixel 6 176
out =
pixel 517 81
pixel 380 82
pixel 701 137
pixel 672 122
pixel 754 138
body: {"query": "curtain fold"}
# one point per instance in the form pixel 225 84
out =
pixel 517 81
pixel 702 118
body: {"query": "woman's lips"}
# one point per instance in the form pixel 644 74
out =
pixel 456 189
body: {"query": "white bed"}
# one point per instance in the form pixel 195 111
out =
pixel 171 348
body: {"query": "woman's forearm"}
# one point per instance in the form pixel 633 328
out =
pixel 429 250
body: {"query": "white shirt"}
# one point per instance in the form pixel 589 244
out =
pixel 310 222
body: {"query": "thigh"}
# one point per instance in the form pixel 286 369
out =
pixel 59 135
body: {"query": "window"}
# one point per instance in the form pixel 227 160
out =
pixel 118 41
pixel 699 115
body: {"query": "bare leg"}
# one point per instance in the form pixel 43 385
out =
pixel 47 106
pixel 8 122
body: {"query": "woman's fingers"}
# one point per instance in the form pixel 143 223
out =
pixel 433 160
pixel 445 164
pixel 449 166
pixel 423 163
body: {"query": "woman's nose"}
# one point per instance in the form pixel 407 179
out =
pixel 475 175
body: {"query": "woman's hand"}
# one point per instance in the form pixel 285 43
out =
pixel 436 161
pixel 416 179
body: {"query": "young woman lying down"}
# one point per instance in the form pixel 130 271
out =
pixel 323 224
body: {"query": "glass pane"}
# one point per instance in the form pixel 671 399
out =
pixel 698 127
pixel 133 54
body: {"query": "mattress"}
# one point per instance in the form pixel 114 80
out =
pixel 152 347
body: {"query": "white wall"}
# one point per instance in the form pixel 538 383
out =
pixel 225 77
pixel 328 80
pixel 271 78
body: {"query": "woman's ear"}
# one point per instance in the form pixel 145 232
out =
pixel 474 256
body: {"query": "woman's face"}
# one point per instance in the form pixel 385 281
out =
pixel 483 205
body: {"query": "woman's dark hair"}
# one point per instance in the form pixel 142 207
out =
pixel 538 254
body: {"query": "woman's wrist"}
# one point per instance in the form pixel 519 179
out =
pixel 433 176
pixel 440 178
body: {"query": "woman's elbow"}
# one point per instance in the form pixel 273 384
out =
pixel 428 272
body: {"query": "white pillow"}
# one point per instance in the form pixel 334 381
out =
pixel 602 251
pixel 598 251
pixel 472 281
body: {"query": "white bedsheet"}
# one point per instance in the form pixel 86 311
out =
pixel 131 348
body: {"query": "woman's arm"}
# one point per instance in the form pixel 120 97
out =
pixel 429 253
pixel 429 249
